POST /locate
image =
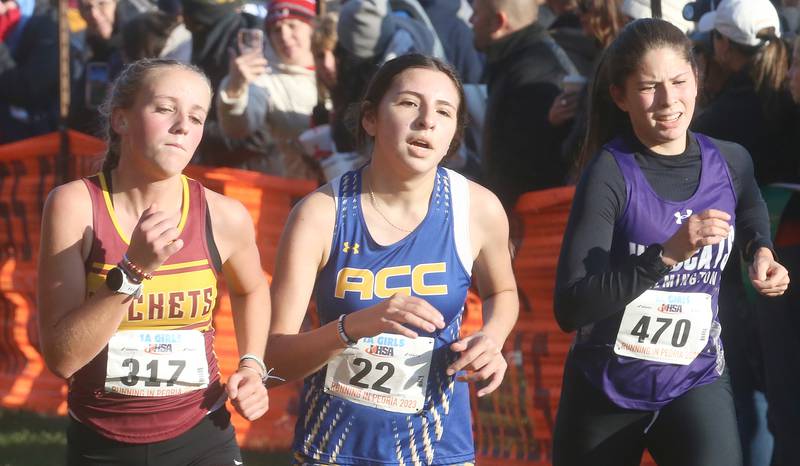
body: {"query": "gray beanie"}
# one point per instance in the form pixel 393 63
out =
pixel 366 27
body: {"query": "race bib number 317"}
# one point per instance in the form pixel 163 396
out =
pixel 664 326
pixel 156 362
pixel 388 372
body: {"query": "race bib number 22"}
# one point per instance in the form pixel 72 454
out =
pixel 388 372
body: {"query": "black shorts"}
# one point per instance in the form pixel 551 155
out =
pixel 697 429
pixel 212 442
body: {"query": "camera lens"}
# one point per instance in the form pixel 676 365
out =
pixel 689 11
pixel 693 11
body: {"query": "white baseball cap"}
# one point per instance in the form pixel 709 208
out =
pixel 671 10
pixel 741 20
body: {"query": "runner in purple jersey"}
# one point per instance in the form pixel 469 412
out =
pixel 653 224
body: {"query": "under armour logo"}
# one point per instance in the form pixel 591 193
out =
pixel 347 247
pixel 679 217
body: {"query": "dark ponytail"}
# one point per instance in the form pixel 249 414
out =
pixel 619 61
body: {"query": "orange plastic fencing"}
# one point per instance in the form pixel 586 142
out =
pixel 28 171
pixel 514 425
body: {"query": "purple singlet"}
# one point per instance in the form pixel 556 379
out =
pixel 642 357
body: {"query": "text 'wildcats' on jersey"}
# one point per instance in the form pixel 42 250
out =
pixel 667 340
pixel 390 401
pixel 704 266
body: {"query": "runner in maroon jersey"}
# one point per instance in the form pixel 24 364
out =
pixel 128 284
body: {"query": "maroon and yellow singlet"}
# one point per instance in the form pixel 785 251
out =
pixel 158 376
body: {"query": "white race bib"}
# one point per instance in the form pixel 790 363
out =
pixel 665 326
pixel 388 372
pixel 156 362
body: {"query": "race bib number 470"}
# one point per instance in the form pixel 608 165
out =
pixel 664 326
pixel 388 372
pixel 156 362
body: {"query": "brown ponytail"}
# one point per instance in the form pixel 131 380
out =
pixel 770 66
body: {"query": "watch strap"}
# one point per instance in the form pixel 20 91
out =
pixel 653 258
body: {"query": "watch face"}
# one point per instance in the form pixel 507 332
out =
pixel 114 279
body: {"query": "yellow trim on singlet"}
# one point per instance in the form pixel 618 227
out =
pixel 161 268
pixel 113 215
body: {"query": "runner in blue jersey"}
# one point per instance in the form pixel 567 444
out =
pixel 653 224
pixel 389 251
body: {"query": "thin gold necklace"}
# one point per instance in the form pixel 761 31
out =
pixel 375 206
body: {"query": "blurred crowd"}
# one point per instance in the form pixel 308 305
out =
pixel 286 72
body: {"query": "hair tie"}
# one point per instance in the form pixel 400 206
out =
pixel 767 36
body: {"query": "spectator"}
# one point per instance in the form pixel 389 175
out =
pixel 456 37
pixel 370 33
pixel 214 26
pixel 521 149
pixel 671 10
pixel 9 17
pixel 753 107
pixel 179 42
pixel 147 36
pixel 598 22
pixel 323 43
pixel 778 319
pixel 557 14
pixel 97 57
pixel 282 95
pixel 28 71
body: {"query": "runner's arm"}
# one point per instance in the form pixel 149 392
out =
pixel 73 329
pixel 481 353
pixel 302 252
pixel 241 264
pixel 249 295
pixel 587 288
pixel 494 275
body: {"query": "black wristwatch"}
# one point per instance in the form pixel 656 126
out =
pixel 653 256
pixel 119 282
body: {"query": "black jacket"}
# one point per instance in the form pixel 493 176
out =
pixel 29 79
pixel 521 149
pixel 456 37
pixel 737 114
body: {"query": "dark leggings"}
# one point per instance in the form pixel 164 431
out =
pixel 212 442
pixel 697 429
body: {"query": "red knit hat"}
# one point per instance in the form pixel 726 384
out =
pixel 304 10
